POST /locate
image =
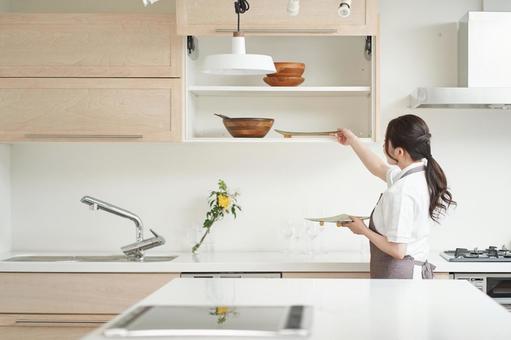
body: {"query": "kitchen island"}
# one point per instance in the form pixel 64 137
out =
pixel 353 309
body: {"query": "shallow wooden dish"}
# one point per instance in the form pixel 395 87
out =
pixel 290 69
pixel 283 81
pixel 247 127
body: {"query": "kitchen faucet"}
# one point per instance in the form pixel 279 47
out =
pixel 134 251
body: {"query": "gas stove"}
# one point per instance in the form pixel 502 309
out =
pixel 491 254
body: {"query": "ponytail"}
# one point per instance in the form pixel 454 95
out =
pixel 440 198
pixel 412 134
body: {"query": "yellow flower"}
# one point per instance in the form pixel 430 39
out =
pixel 221 310
pixel 224 201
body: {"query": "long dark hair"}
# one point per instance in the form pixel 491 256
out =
pixel 412 134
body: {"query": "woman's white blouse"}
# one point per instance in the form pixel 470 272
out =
pixel 402 214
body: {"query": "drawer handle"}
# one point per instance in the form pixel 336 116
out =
pixel 79 136
pixel 282 30
pixel 58 322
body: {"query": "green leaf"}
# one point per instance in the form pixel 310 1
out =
pixel 222 185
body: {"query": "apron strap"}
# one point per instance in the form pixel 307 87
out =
pixel 412 171
pixel 427 269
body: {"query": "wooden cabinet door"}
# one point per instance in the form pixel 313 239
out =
pixel 89 45
pixel 207 17
pixel 49 326
pixel 344 275
pixel 78 109
pixel 75 293
pixel 326 275
pixel 61 332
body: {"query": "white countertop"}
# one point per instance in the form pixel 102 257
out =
pixel 239 262
pixel 355 309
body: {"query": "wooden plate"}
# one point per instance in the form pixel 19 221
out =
pixel 289 134
pixel 337 219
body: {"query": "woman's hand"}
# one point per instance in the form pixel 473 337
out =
pixel 345 136
pixel 357 226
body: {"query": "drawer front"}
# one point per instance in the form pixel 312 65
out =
pixel 89 45
pixel 74 108
pixel 70 293
pixel 326 275
pixel 54 320
pixel 211 16
pixel 45 333
pixel 345 275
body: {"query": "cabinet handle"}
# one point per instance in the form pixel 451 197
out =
pixel 79 136
pixel 57 322
pixel 282 30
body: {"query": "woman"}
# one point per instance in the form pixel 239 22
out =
pixel 417 195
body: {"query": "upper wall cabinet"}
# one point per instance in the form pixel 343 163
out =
pixel 210 17
pixel 89 45
pixel 90 109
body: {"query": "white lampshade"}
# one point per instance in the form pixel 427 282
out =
pixel 238 62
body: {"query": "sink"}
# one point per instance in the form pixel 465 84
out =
pixel 87 258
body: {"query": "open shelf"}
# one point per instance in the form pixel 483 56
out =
pixel 269 140
pixel 316 91
pixel 340 90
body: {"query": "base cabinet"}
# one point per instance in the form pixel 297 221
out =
pixel 41 306
pixel 344 275
pixel 44 333
pixel 325 275
pixel 49 326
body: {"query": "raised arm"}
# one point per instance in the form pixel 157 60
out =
pixel 371 161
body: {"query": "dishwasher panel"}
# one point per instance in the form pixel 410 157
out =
pixel 232 275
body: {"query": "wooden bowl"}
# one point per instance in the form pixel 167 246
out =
pixel 248 127
pixel 283 81
pixel 290 69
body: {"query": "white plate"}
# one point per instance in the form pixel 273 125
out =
pixel 338 219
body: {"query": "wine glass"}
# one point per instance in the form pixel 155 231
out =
pixel 312 230
pixel 287 230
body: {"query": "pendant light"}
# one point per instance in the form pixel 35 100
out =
pixel 238 62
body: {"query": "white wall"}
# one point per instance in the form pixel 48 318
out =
pixel 5 199
pixel 168 184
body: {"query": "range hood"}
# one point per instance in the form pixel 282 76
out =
pixel 484 66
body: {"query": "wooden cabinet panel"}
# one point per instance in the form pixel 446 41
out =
pixel 90 109
pixel 442 276
pixel 205 17
pixel 45 332
pixel 326 275
pixel 343 275
pixel 75 293
pixel 89 45
pixel 55 320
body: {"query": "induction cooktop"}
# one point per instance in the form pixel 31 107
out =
pixel 204 321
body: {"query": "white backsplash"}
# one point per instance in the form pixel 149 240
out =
pixel 168 184
pixel 5 198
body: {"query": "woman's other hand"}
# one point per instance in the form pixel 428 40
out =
pixel 357 226
pixel 345 136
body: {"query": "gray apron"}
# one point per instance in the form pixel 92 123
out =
pixel 384 266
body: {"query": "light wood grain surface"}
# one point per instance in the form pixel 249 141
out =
pixel 67 107
pixel 75 293
pixel 205 17
pixel 89 45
